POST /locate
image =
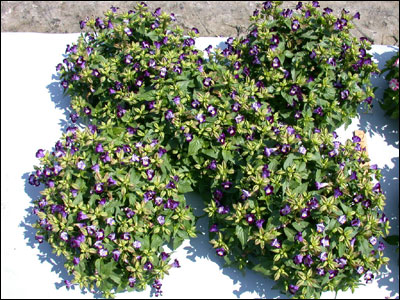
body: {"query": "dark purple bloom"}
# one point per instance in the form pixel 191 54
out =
pixel 356 15
pixel 161 220
pixel 320 227
pixel 305 213
pixel 245 194
pixel 285 210
pixel 214 228
pixel 171 204
pixel 307 260
pixel 325 242
pixel 250 218
pixel 313 203
pixel 226 185
pixel 169 114
pixel 259 223
pixel 331 61
pixel 323 256
pixel 332 273
pixel 368 276
pixel 81 216
pixel 269 189
pixel 342 219
pixel 337 192
pixel 276 63
pixel 344 94
pixel 207 82
pixel 236 107
pixel 98 188
pixel 268 151
pixel 212 165
pixel 220 251
pixel 150 174
pixel 298 259
pixel 315 4
pixel 381 246
pixel 299 237
pixel 221 138
pixel 293 289
pixel 320 185
pixel 295 25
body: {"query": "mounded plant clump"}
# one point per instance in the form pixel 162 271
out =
pixel 250 128
pixel 390 102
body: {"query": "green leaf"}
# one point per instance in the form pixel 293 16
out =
pixel 289 161
pixel 177 241
pixel 210 152
pixel 184 187
pixel 227 155
pixel 342 249
pixel 289 233
pixel 156 242
pixel 300 189
pixel 194 146
pixel 241 235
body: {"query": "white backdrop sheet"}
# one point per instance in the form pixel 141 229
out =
pixel 34 114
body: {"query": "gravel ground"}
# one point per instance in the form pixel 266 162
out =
pixel 379 19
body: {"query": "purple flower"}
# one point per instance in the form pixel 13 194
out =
pixel 212 165
pixel 150 174
pixel 176 264
pixel 188 137
pixel 250 218
pixel 299 237
pixel 161 220
pixel 373 240
pixel 331 61
pixel 325 242
pixel 320 185
pixel 368 277
pixel 337 193
pixel 293 289
pixel 276 63
pixel 226 185
pixel 381 246
pixel 259 223
pixel 169 115
pixel 320 227
pixel 269 189
pixel 305 213
pixel 360 270
pixel 268 151
pixel 356 222
pixel 239 118
pixel 81 216
pixel 295 25
pixel 39 238
pixel 307 260
pixel 275 243
pixel 137 244
pixel 207 82
pixel 298 259
pixel 220 251
pixel 221 138
pixel 99 188
pixel 245 194
pixel 214 228
pixel 81 165
pixel 211 110
pixel 323 256
pixel 115 254
pixel 342 219
pixel 285 210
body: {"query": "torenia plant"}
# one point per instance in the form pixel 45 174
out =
pixel 315 72
pixel 390 102
pixel 249 128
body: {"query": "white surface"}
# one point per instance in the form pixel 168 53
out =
pixel 33 116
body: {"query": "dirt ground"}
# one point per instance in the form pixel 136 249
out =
pixel 379 19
